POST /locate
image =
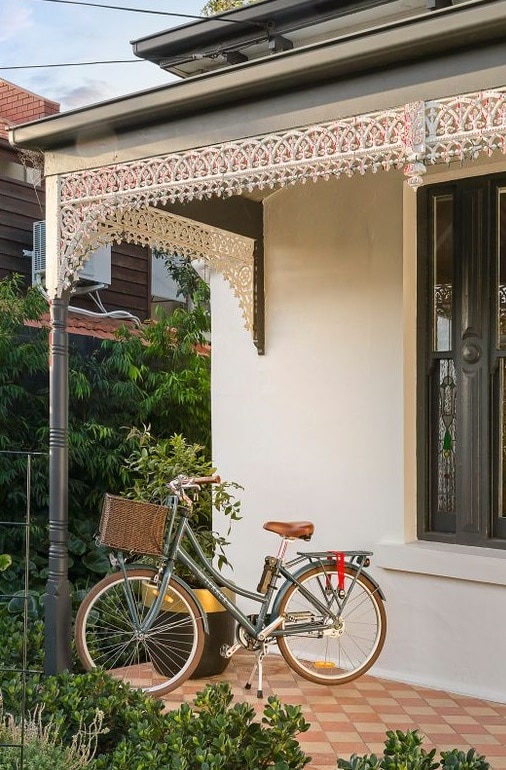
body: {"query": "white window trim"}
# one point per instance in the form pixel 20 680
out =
pixel 470 563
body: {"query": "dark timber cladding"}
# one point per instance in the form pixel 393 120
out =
pixel 22 204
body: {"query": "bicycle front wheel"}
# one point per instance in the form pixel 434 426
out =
pixel 339 652
pixel 108 634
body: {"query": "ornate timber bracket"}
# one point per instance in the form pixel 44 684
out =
pixel 226 252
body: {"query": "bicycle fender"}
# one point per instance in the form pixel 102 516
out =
pixel 195 598
pixel 326 563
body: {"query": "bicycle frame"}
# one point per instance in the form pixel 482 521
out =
pixel 209 577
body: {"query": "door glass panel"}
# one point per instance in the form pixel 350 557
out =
pixel 501 269
pixel 501 490
pixel 446 437
pixel 442 271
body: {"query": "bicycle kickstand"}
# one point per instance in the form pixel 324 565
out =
pixel 259 655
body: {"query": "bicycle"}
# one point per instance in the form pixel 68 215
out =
pixel 145 625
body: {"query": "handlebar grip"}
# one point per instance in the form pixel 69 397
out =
pixel 205 479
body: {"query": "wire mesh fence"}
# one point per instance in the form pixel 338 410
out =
pixel 16 522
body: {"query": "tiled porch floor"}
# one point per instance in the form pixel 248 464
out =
pixel 353 718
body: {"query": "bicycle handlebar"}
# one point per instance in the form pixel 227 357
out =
pixel 203 480
pixel 179 484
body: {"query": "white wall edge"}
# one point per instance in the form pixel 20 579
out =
pixel 448 686
pixel 476 565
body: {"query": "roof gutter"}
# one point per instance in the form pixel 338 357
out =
pixel 441 33
pixel 243 25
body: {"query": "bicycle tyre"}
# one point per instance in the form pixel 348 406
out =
pixel 157 662
pixel 333 656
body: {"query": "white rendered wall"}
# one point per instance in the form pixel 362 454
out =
pixel 322 426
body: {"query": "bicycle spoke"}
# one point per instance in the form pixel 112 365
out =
pixel 157 658
pixel 332 652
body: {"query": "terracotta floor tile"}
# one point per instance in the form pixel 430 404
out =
pixel 353 718
pixel 499 730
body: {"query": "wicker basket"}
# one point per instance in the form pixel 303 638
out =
pixel 130 525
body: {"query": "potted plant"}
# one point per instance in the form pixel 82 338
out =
pixel 152 463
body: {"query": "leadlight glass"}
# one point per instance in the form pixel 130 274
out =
pixel 442 270
pixel 446 437
pixel 501 268
pixel 501 344
pixel 501 507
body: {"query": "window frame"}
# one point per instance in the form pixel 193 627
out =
pixel 431 526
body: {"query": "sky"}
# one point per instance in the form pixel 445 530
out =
pixel 34 32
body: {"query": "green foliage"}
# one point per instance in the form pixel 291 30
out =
pixel 158 374
pixel 404 751
pixel 5 561
pixel 20 648
pixel 43 748
pixel 136 733
pixel 212 734
pixel 459 760
pixel 219 6
pixel 12 634
pixel 72 700
pixel 191 288
pixel 153 463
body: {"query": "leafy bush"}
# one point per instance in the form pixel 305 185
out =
pixel 158 374
pixel 213 734
pixel 404 751
pixel 154 462
pixel 137 734
pixel 71 701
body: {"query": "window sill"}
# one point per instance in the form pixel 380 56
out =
pixel 477 565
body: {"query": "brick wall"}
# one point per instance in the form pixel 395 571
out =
pixel 17 105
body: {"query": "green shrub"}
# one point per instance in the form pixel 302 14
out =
pixel 155 461
pixel 137 734
pixel 459 760
pixel 16 649
pixel 213 734
pixel 158 374
pixel 72 700
pixel 404 751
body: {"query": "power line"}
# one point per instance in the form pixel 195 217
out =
pixel 132 10
pixel 72 64
pixel 157 13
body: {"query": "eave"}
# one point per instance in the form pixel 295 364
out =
pixel 443 33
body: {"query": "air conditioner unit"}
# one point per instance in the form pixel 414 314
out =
pixel 163 287
pixel 96 270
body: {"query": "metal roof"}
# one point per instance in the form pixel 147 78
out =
pixel 264 28
pixel 460 29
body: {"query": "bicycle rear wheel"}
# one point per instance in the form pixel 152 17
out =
pixel 156 661
pixel 345 650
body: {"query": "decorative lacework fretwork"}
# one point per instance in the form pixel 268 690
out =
pixel 409 137
pixel 348 146
pixel 463 127
pixel 226 252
